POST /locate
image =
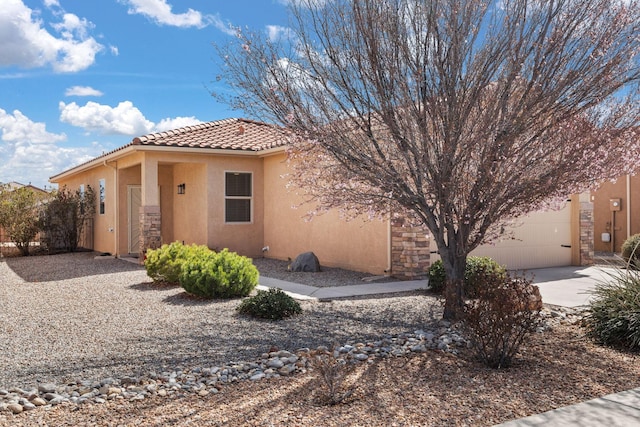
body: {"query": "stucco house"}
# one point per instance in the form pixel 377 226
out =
pixel 221 184
pixel 616 212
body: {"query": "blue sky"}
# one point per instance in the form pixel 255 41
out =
pixel 81 77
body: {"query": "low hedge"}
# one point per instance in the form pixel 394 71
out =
pixel 164 264
pixel 218 275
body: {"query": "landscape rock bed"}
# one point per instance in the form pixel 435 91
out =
pixel 71 316
pixel 203 381
pixel 106 334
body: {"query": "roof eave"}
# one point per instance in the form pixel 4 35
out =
pixel 132 148
pixel 109 157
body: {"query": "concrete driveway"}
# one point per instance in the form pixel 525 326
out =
pixel 569 286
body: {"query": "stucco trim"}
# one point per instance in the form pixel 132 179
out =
pixel 130 149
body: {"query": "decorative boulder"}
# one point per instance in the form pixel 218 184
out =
pixel 307 262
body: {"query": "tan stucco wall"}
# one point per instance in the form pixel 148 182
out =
pixel 242 238
pixel 188 216
pixel 358 244
pixel 198 215
pixel 104 226
pixel 603 217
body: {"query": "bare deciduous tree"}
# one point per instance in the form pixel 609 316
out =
pixel 461 113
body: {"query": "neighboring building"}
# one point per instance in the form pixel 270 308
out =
pixel 616 213
pixel 221 184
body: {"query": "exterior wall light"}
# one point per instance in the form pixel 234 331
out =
pixel 181 188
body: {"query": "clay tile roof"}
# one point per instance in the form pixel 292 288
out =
pixel 228 134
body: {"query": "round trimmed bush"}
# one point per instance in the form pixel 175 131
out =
pixel 273 304
pixel 218 275
pixel 479 271
pixel 631 251
pixel 165 263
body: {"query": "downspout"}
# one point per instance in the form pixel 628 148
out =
pixel 389 271
pixel 115 205
pixel 628 206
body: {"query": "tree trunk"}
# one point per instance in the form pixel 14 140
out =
pixel 454 287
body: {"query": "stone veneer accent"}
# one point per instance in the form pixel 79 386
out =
pixel 586 233
pixel 150 229
pixel 409 250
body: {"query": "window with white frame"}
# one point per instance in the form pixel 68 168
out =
pixel 102 195
pixel 238 194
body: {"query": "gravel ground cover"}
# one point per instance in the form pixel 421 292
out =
pixel 328 276
pixel 70 316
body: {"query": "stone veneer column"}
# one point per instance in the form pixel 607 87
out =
pixel 409 250
pixel 586 232
pixel 150 229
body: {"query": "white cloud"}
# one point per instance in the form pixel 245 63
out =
pixel 17 127
pixel 82 91
pixel 114 50
pixel 276 32
pixel 160 12
pixel 225 27
pixel 26 43
pixel 123 119
pixel 31 154
pixel 177 122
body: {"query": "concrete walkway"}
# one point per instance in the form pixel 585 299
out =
pixel 614 410
pixel 561 286
pixel 299 291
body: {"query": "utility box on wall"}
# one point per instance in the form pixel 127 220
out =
pixel 615 205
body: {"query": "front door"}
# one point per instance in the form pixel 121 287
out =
pixel 134 197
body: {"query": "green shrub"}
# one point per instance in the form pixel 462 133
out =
pixel 478 272
pixel 631 251
pixel 165 263
pixel 273 304
pixel 503 315
pixel 437 277
pixel 218 275
pixel 614 311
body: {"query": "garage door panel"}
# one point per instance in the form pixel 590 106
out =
pixel 542 240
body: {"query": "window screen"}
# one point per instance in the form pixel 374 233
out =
pixel 238 184
pixel 238 195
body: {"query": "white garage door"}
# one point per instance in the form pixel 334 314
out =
pixel 543 240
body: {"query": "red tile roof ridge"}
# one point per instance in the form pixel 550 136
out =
pixel 190 128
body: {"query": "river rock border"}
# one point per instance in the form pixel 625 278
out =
pixel 276 363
